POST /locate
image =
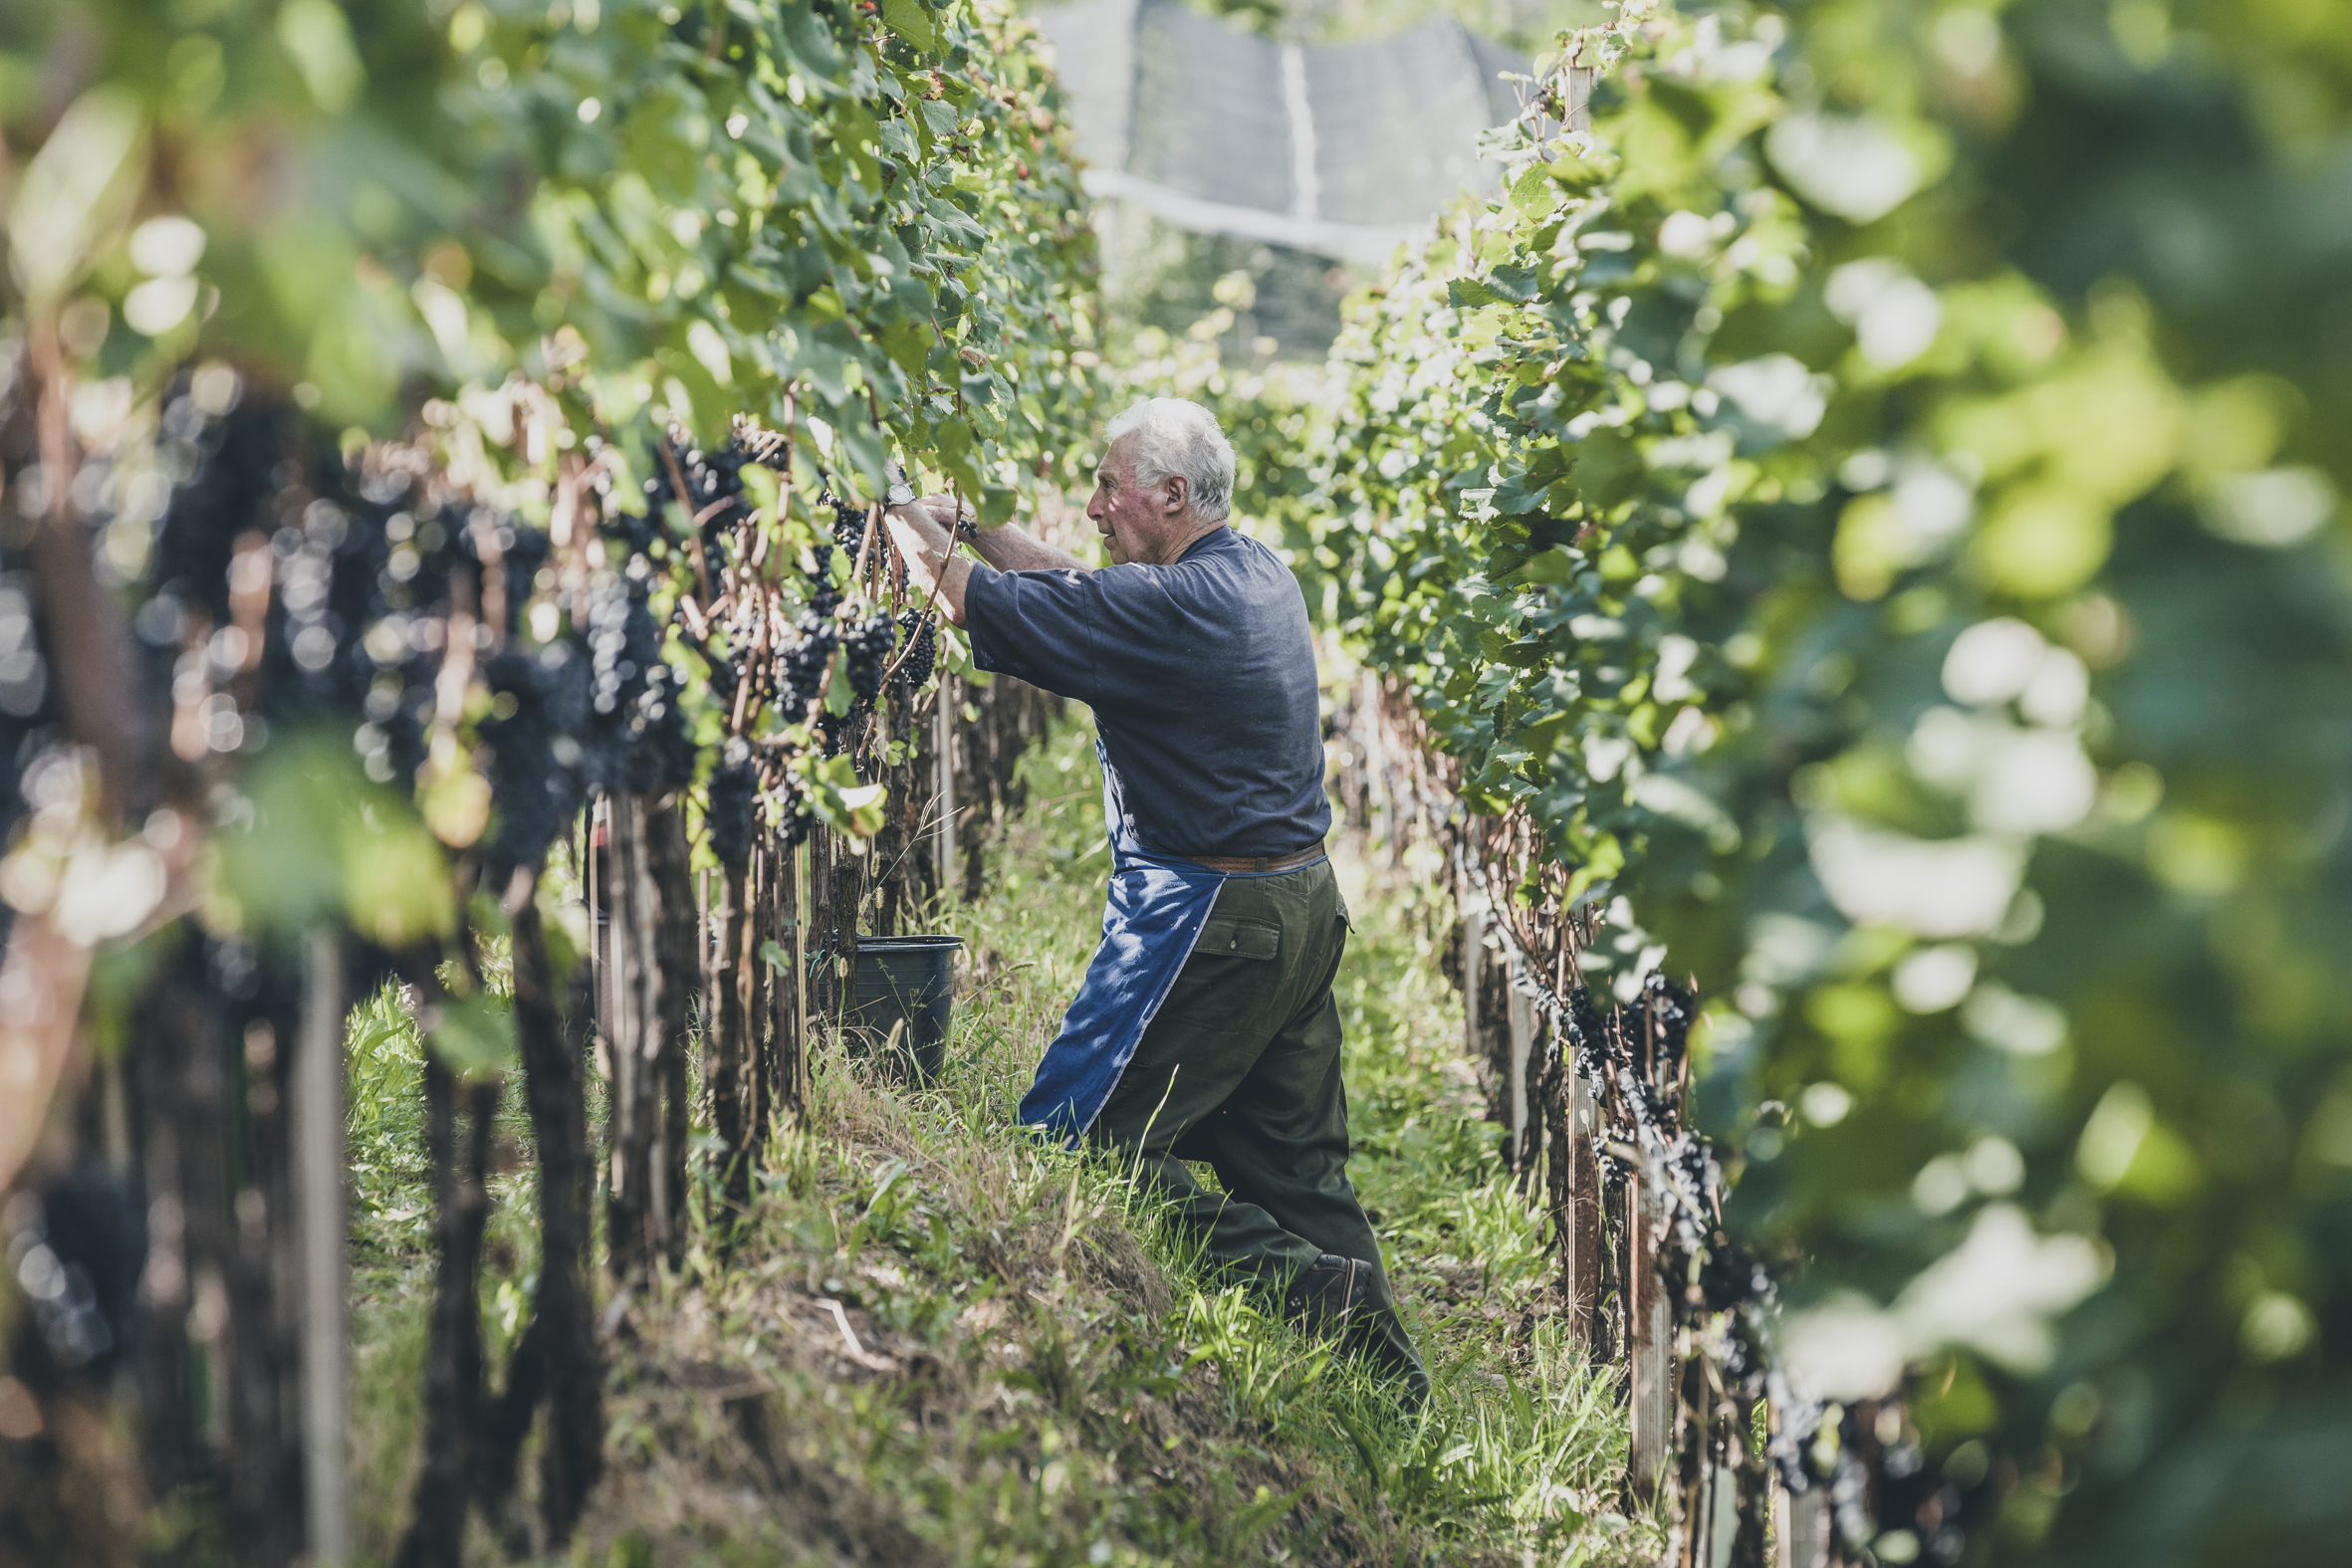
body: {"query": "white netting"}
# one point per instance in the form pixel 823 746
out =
pixel 1340 150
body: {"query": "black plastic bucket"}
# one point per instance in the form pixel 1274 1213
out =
pixel 908 984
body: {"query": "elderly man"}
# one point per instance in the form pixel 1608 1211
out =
pixel 1206 1028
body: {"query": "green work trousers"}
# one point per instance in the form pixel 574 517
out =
pixel 1239 1069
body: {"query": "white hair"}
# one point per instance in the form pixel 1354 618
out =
pixel 1175 436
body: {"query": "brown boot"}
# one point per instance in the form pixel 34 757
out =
pixel 1324 1292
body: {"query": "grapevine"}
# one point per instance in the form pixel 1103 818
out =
pixel 417 626
pixel 1711 521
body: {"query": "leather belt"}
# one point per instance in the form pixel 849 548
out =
pixel 1290 862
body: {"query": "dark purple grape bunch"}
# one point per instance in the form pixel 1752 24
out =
pixel 832 727
pixel 804 657
pixel 515 550
pixel 849 523
pixel 623 639
pixel 228 464
pixel 539 703
pixel 663 752
pixel 712 500
pixel 922 654
pixel 793 820
pixel 733 795
pixel 713 480
pixel 867 646
pixel 822 597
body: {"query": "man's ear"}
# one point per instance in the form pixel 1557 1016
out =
pixel 1176 494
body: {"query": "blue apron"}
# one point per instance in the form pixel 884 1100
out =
pixel 1156 909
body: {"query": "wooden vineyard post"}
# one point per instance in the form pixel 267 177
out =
pixel 893 850
pixel 802 857
pixel 790 989
pixel 1751 1479
pixel 1650 1326
pixel 1800 1528
pixel 458 1118
pixel 759 994
pixel 1486 1002
pixel 1578 1216
pixel 943 784
pixel 556 1364
pixel 816 917
pixel 727 1058
pixel 633 1040
pixel 1526 1130
pixel 1474 963
pixel 1800 1521
pixel 848 890
pixel 1576 89
pixel 1583 1241
pixel 681 953
pixel 319 1166
pixel 702 937
pixel 598 953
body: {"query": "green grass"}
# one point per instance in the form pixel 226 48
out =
pixel 1041 1373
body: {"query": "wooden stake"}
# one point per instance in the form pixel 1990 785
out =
pixel 943 761
pixel 759 1002
pixel 1520 1010
pixel 637 1223
pixel 732 1054
pixel 1801 1527
pixel 682 956
pixel 789 993
pixel 599 1007
pixel 1576 88
pixel 458 1120
pixel 702 937
pixel 318 1171
pixel 1474 963
pixel 849 893
pixel 1651 1327
pixel 556 1363
pixel 1584 1242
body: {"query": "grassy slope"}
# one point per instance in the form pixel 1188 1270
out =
pixel 1040 1375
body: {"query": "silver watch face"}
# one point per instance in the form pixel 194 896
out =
pixel 901 493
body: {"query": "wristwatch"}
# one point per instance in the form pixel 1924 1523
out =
pixel 902 494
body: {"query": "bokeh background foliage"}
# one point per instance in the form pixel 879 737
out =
pixel 648 210
pixel 1878 502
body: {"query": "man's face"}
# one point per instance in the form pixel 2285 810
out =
pixel 1130 518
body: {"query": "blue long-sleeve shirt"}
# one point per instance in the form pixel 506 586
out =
pixel 1201 674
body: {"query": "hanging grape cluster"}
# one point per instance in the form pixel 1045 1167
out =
pixel 733 790
pixel 711 497
pixel 807 653
pixel 848 530
pixel 768 639
pixel 867 644
pixel 921 635
pixel 286 587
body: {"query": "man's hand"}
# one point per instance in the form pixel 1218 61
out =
pixel 928 547
pixel 947 511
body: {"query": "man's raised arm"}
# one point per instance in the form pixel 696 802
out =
pixel 1008 549
pixel 923 532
